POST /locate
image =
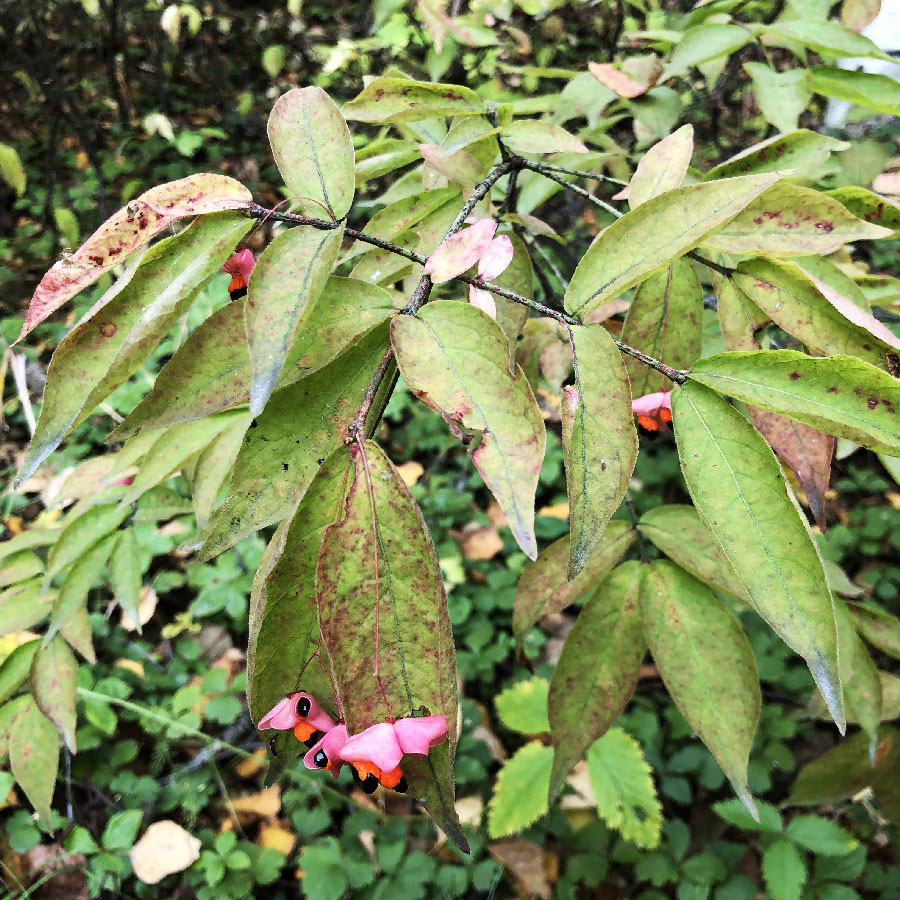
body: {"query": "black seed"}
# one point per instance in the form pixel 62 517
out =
pixel 402 786
pixel 314 739
pixel 320 759
pixel 370 782
pixel 303 706
pixel 355 774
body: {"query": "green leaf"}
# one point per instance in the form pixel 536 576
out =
pixel 381 597
pixel 24 605
pixel 623 788
pixel 707 665
pixel 11 169
pixel 536 136
pixel 788 296
pixel 520 793
pixel 831 891
pixel 802 150
pixel 286 283
pixel 53 681
pixel 654 234
pixel 382 156
pixel 879 628
pixel 790 220
pixel 125 574
pixel 736 813
pixel 663 167
pixel 455 358
pixel 522 706
pixel 600 443
pixel 121 830
pixel 212 370
pixel 15 668
pixel 544 587
pixel 404 100
pixel 820 836
pixel 34 757
pixel 313 151
pixel 869 90
pixel 781 96
pixel 81 533
pixel 213 468
pixel 740 493
pixel 19 567
pixel 837 394
pixel 870 206
pixel 705 42
pixel 301 424
pixel 828 39
pixel 323 872
pixel 597 670
pixel 76 629
pixel 784 871
pixel 679 532
pixel 103 351
pixel 665 321
pixel 34 537
pixel 8 713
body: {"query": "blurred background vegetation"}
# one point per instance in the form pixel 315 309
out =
pixel 102 99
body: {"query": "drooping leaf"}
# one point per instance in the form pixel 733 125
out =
pixel 791 220
pixel 679 532
pixel 213 468
pixel 787 295
pixel 522 706
pixel 831 280
pixel 600 443
pixel 403 100
pixel 381 603
pixel 707 665
pixel 544 587
pixel 300 425
pixel 802 150
pixel 654 234
pixel 742 498
pixel 34 757
pixel 24 605
pixel 125 574
pixel 103 351
pixel 828 38
pixel 867 89
pixel 15 668
pixel 455 358
pixel 536 136
pixel 82 532
pixel 622 783
pixel 598 669
pixel 781 96
pixel 122 234
pixel 663 167
pixel 53 682
pixel 33 537
pixel 866 204
pixel 878 627
pixel 314 151
pixel 838 394
pixel 514 807
pixel 286 283
pixel 665 321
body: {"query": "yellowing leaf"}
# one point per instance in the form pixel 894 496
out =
pixel 404 100
pixel 663 167
pixel 520 794
pixel 163 849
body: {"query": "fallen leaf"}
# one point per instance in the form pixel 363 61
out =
pixel 132 665
pixel 164 848
pixel 557 511
pixel 251 765
pixel 495 515
pixel 470 810
pixel 266 804
pixel 480 542
pixel 526 862
pixel 278 836
pixel 410 472
pixel 887 183
pixel 146 608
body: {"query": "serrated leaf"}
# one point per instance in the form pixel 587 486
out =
pixel 801 150
pixel 301 424
pixel 455 358
pixel 707 665
pixel 53 681
pixel 878 627
pixel 663 167
pixel 623 788
pixel 24 605
pixel 125 574
pixel 679 532
pixel 520 792
pixel 106 348
pixel 313 151
pixel 837 394
pixel 286 283
pixel 654 234
pixel 597 670
pixel 536 136
pixel 15 668
pixel 522 706
pixel 600 443
pixel 34 757
pixel 122 234
pixel 781 96
pixel 403 100
pixel 544 587
pixel 665 321
pixel 742 498
pixel 378 579
pixel 784 871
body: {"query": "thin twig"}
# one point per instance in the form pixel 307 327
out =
pixel 541 169
pixel 580 173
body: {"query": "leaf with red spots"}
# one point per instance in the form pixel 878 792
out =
pixel 106 348
pixel 403 100
pixel 54 675
pixel 122 234
pixel 743 500
pixel 378 575
pixel 314 152
pixel 598 669
pixel 600 444
pixel 34 757
pixel 663 167
pixel 802 150
pixel 837 394
pixel 455 358
pixel 868 205
pixel 706 664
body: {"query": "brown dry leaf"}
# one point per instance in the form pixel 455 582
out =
pixel 893 498
pixel 69 882
pixel 173 528
pixel 146 608
pixel 579 780
pixel 549 405
pixel 15 524
pixel 232 661
pixel 557 511
pixel 480 542
pixel 484 734
pixel 164 848
pixel 265 805
pixel 526 862
pixel 132 665
pixel 278 836
pixel 470 810
pixel 410 472
pixel 617 81
pixel 887 183
pixel 495 515
pixel 251 765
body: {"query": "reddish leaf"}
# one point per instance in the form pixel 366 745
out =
pixel 461 251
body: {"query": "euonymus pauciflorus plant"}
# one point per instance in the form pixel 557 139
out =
pixel 279 393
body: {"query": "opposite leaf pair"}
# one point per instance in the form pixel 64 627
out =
pixel 374 754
